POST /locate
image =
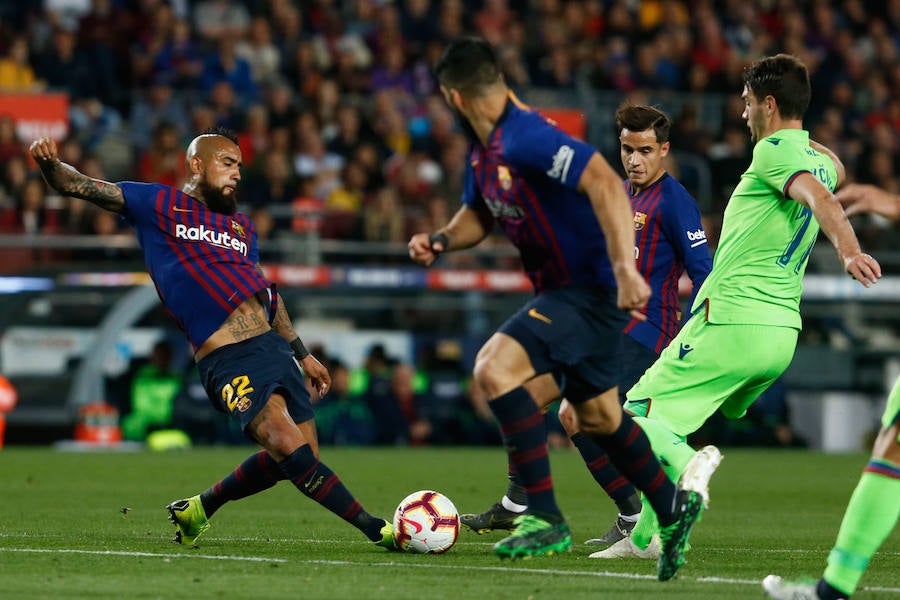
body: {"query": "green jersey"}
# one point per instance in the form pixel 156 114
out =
pixel 766 237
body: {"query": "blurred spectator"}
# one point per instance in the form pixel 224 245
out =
pixel 383 219
pixel 30 216
pixel 390 424
pixel 216 20
pixel 153 390
pixel 158 105
pixel 341 417
pixel 64 67
pixel 226 66
pixel 178 58
pixel 163 161
pixel 10 145
pixel 260 52
pixel 16 74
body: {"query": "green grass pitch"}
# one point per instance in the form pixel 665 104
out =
pixel 64 533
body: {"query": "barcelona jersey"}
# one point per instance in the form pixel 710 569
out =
pixel 203 263
pixel 526 178
pixel 669 239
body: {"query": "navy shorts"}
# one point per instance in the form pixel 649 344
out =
pixel 636 358
pixel 239 378
pixel 575 334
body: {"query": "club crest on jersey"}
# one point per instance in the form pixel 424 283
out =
pixel 238 229
pixel 504 177
pixel 640 220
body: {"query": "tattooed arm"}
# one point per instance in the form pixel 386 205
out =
pixel 67 180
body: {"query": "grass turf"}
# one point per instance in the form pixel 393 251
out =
pixel 65 534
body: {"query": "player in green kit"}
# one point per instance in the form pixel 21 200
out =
pixel 875 505
pixel 746 316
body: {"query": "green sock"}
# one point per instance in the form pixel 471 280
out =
pixel 870 517
pixel 674 454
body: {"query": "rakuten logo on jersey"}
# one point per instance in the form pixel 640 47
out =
pixel 696 237
pixel 222 239
pixel 561 161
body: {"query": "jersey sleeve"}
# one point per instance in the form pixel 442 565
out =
pixel 540 146
pixel 775 164
pixel 139 201
pixel 682 225
pixel 253 253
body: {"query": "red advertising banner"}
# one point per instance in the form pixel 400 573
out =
pixel 569 120
pixel 37 114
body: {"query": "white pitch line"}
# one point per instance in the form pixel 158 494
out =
pixel 142 554
pixel 406 565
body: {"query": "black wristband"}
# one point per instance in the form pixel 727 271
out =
pixel 300 351
pixel 439 238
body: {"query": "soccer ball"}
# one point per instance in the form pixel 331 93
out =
pixel 426 522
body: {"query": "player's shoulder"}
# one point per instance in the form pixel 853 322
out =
pixel 141 189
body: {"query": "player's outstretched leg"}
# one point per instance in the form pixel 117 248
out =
pixel 189 519
pixel 535 536
pixel 693 496
pixel 779 589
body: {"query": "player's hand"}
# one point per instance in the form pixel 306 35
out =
pixel 44 150
pixel 317 373
pixel 863 268
pixel 422 250
pixel 859 198
pixel 633 292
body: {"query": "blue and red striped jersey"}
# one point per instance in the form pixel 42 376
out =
pixel 527 179
pixel 203 263
pixel 669 239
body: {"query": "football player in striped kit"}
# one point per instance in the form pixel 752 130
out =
pixel 203 257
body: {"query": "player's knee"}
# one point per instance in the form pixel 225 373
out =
pixel 887 445
pixel 492 379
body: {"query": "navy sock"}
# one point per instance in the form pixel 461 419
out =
pixel 617 487
pixel 629 449
pixel 257 473
pixel 525 438
pixel 320 483
pixel 514 490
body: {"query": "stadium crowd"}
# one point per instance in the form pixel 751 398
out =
pixel 341 127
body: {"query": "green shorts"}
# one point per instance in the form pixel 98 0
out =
pixel 710 367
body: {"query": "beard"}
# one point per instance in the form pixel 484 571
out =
pixel 463 123
pixel 218 201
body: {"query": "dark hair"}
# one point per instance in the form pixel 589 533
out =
pixel 785 78
pixel 223 131
pixel 469 65
pixel 640 117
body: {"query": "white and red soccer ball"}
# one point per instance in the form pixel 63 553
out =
pixel 426 522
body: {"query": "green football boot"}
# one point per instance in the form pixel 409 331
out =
pixel 189 519
pixel 534 536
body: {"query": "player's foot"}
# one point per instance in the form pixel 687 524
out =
pixel 699 470
pixel 189 519
pixel 496 517
pixel 620 530
pixel 779 589
pixel 674 537
pixel 387 537
pixel 626 548
pixel 693 497
pixel 534 536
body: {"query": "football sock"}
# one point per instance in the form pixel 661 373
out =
pixel 320 483
pixel 674 455
pixel 605 473
pixel 257 473
pixel 629 449
pixel 515 493
pixel 525 438
pixel 870 517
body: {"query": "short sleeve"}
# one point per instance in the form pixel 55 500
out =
pixel 774 165
pixel 140 205
pixel 540 146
